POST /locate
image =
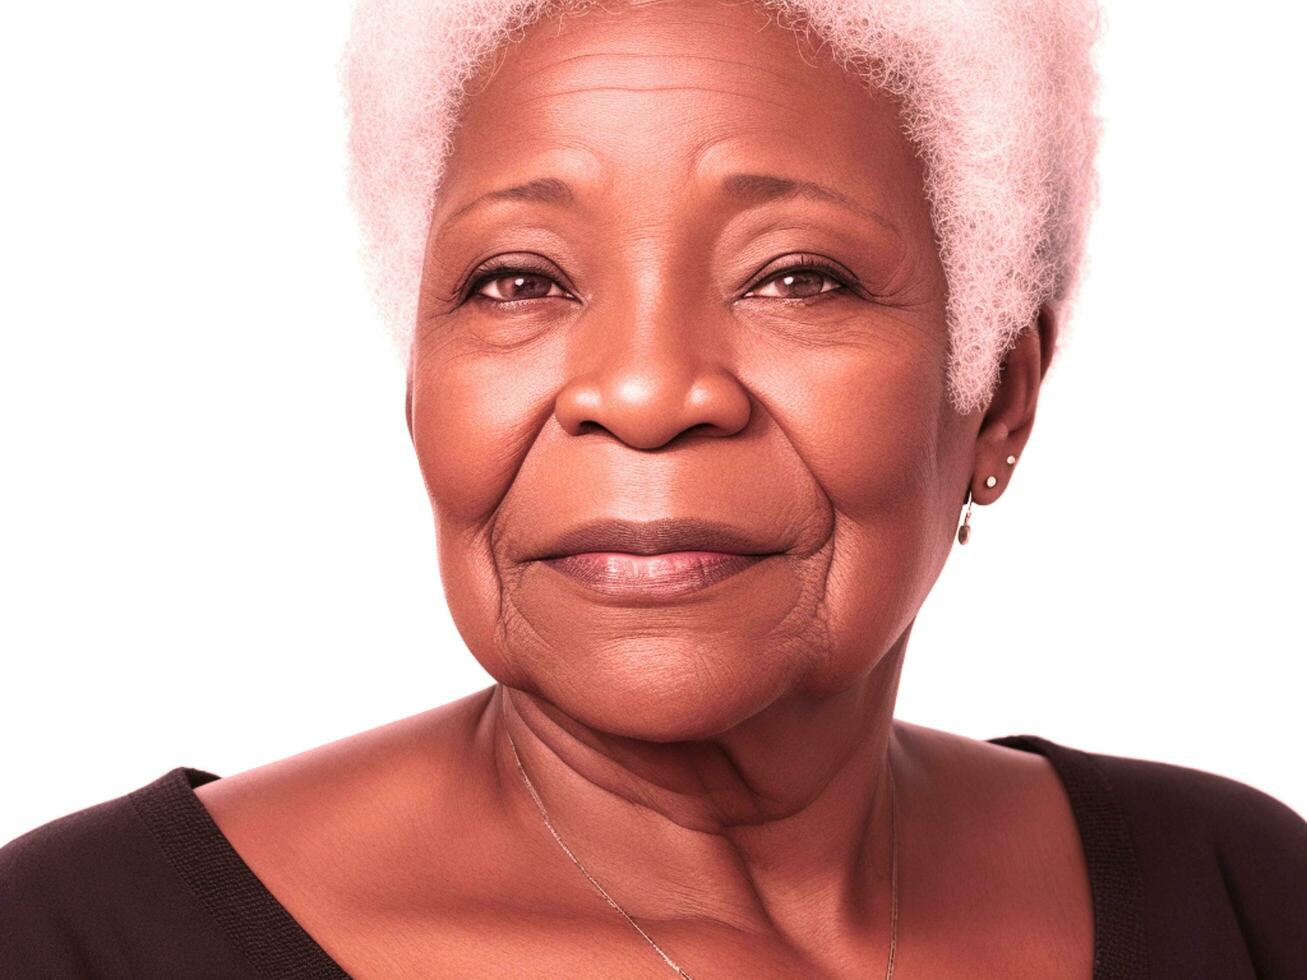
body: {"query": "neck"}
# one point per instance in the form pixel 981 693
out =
pixel 780 823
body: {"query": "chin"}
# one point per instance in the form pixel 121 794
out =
pixel 663 688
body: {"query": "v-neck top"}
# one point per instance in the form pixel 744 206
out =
pixel 1193 875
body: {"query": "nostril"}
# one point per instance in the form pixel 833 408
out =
pixel 648 410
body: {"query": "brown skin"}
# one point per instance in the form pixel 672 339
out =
pixel 718 761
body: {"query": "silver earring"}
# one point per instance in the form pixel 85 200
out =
pixel 1011 461
pixel 964 532
pixel 991 481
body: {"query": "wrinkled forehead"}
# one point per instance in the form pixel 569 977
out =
pixel 713 39
pixel 677 94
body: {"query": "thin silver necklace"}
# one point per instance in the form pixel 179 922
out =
pixel 894 868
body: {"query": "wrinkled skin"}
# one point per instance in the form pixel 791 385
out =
pixel 715 293
pixel 658 373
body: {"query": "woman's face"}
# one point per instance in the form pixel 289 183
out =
pixel 683 269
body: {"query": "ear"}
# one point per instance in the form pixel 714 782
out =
pixel 408 409
pixel 1010 416
pixel 408 402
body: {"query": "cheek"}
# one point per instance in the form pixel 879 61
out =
pixel 473 419
pixel 873 428
pixel 866 418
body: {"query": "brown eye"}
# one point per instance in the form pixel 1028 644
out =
pixel 796 284
pixel 518 285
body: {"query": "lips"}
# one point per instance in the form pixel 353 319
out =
pixel 666 575
pixel 656 559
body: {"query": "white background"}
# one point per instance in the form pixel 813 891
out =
pixel 215 549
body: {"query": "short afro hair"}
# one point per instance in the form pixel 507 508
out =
pixel 998 96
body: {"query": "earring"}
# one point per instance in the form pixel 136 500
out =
pixel 964 532
pixel 1011 461
pixel 991 481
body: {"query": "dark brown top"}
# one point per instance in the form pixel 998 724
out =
pixel 1193 876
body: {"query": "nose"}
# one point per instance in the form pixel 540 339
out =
pixel 651 384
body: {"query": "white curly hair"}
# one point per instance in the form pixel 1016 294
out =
pixel 998 96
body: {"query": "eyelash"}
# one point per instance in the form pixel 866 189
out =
pixel 501 269
pixel 493 270
pixel 805 263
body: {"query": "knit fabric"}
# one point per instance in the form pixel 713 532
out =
pixel 256 922
pixel 1120 945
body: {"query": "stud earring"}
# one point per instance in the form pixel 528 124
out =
pixel 991 481
pixel 1011 461
pixel 964 532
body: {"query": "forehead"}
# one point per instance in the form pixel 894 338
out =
pixel 671 96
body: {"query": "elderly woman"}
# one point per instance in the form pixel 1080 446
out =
pixel 719 315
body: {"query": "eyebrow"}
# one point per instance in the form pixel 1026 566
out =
pixel 749 189
pixel 545 190
pixel 754 189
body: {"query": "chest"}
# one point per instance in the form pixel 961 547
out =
pixel 525 950
pixel 1007 937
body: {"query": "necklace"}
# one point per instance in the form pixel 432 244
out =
pixel 894 868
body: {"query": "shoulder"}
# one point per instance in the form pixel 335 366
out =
pixel 81 855
pixel 316 797
pixel 324 829
pixel 43 863
pixel 1202 808
pixel 92 893
pixel 1222 864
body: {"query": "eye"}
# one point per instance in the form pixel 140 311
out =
pixel 510 280
pixel 511 285
pixel 798 282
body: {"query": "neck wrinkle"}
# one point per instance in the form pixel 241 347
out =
pixel 647 821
